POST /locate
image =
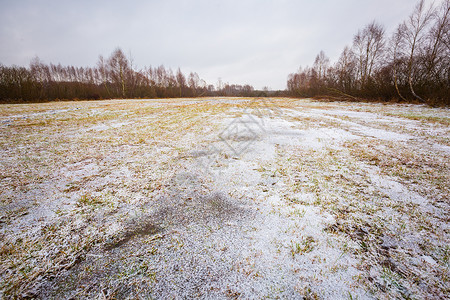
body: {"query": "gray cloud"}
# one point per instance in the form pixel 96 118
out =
pixel 255 42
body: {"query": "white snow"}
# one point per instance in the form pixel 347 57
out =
pixel 229 222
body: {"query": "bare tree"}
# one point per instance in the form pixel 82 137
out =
pixel 321 65
pixel 396 53
pixel 219 85
pixel 368 44
pixel 345 69
pixel 118 68
pixel 194 82
pixel 437 53
pixel 161 76
pixel 181 80
pixel 104 74
pixel 412 35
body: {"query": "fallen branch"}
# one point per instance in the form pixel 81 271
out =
pixel 343 94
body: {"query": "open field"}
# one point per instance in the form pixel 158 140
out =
pixel 224 198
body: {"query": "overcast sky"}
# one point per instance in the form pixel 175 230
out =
pixel 239 41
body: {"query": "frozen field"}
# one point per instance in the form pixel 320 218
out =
pixel 224 198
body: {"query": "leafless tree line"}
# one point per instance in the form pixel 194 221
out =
pixel 112 77
pixel 413 64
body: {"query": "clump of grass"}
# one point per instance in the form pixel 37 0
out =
pixel 298 212
pixel 305 246
pixel 394 280
pixel 89 200
pixel 7 249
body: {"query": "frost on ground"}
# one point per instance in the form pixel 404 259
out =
pixel 224 198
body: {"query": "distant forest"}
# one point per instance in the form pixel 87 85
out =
pixel 413 64
pixel 113 77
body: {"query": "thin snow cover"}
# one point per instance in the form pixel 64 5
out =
pixel 79 170
pixel 395 190
pixel 354 127
pixel 368 131
pixel 352 114
pixel 379 133
pixel 442 148
pixel 322 137
pixel 102 127
pixel 366 116
pixel 223 199
pixel 268 132
pixel 269 245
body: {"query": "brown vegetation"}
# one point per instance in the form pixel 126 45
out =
pixel 114 77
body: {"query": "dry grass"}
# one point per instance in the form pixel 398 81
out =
pixel 99 199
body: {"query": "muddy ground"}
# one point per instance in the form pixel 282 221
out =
pixel 224 198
